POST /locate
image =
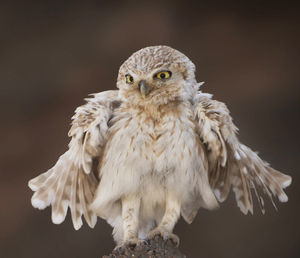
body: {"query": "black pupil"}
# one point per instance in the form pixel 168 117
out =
pixel 162 76
pixel 130 78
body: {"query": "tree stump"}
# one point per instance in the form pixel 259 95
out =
pixel 154 248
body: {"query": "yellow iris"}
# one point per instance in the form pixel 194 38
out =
pixel 163 75
pixel 129 79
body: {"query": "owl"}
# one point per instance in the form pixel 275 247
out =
pixel 153 151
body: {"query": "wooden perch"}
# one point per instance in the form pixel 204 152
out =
pixel 154 248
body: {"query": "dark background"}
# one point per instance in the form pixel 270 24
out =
pixel 54 53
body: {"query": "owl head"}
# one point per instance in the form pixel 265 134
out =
pixel 157 75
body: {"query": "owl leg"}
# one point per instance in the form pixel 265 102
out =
pixel 130 216
pixel 165 227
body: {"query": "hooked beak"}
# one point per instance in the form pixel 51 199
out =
pixel 144 88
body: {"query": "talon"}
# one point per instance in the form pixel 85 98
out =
pixel 166 235
pixel 142 242
pixel 119 248
pixel 128 243
pixel 175 239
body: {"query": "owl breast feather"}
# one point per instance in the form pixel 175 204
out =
pixel 142 154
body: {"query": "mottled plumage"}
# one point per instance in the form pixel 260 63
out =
pixel 162 149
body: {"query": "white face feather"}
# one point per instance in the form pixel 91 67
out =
pixel 145 64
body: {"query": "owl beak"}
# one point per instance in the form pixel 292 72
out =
pixel 144 88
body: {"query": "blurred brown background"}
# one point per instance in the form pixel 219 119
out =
pixel 54 53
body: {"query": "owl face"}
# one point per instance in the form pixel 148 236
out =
pixel 156 75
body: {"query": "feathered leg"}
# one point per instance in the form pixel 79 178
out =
pixel 130 217
pixel 166 226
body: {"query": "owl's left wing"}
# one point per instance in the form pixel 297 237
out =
pixel 231 163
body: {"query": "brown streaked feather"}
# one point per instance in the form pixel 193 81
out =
pixel 89 190
pixel 71 182
pixel 60 202
pixel 232 164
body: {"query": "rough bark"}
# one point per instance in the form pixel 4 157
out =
pixel 154 248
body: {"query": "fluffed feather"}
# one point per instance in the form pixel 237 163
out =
pixel 71 182
pixel 232 164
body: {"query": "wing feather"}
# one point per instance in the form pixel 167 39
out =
pixel 232 164
pixel 71 182
pixel 75 204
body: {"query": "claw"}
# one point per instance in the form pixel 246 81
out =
pixel 142 242
pixel 166 235
pixel 130 243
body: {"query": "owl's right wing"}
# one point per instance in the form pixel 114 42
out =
pixel 231 163
pixel 71 182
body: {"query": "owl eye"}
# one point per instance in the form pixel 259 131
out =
pixel 163 75
pixel 129 79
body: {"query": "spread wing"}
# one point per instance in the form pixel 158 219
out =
pixel 232 164
pixel 71 182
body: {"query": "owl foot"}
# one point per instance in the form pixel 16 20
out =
pixel 165 234
pixel 132 242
